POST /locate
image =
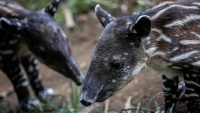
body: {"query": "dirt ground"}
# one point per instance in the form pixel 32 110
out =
pixel 83 38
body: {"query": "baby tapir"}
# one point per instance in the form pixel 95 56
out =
pixel 26 34
pixel 165 37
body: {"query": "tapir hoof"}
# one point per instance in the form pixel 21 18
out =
pixel 44 94
pixel 28 105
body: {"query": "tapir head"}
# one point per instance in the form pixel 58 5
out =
pixel 117 57
pixel 46 40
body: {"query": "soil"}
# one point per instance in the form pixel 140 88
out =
pixel 83 38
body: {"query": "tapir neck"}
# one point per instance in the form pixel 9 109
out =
pixel 175 28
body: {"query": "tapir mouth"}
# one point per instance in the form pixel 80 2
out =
pixel 104 97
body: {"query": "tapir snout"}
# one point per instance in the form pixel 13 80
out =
pixel 93 91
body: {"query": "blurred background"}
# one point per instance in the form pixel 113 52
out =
pixel 83 29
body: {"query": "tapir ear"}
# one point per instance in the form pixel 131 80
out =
pixel 142 26
pixel 103 16
pixel 52 8
pixel 13 26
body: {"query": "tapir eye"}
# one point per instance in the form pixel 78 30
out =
pixel 116 65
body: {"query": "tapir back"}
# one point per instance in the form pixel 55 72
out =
pixel 12 9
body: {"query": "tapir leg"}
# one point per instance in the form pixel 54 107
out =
pixel 170 87
pixel 30 65
pixel 192 92
pixel 14 73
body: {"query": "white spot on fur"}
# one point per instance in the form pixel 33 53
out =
pixel 174 49
pixel 166 89
pixel 18 24
pixel 97 7
pixel 126 54
pixel 196 34
pixel 125 78
pixel 51 6
pixel 192 83
pixel 35 61
pixel 138 68
pixel 182 22
pixel 64 35
pixel 54 9
pixel 117 57
pixel 196 3
pixel 197 63
pixel 164 80
pixel 165 38
pixel 151 50
pixel 160 53
pixel 187 75
pixel 132 44
pixel 190 42
pixel 6 52
pixel 103 19
pixel 13 41
pixel 192 95
pixel 161 4
pixel 190 89
pixel 134 31
pixel 172 6
pixel 114 81
pixel 25 84
pixel 30 68
pixel 183 56
pixel 128 24
pixel 194 75
pixel 162 36
pixel 177 35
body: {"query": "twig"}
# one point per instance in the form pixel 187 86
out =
pixel 138 107
pixel 68 17
pixel 128 103
pixel 107 103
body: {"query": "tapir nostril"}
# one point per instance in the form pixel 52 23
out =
pixel 85 102
pixel 78 83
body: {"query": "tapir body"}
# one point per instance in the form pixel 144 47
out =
pixel 165 37
pixel 26 34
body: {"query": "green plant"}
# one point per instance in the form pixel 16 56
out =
pixel 141 5
pixel 157 106
pixel 34 5
pixel 79 5
pixel 74 98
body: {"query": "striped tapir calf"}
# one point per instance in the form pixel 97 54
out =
pixel 26 34
pixel 165 37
